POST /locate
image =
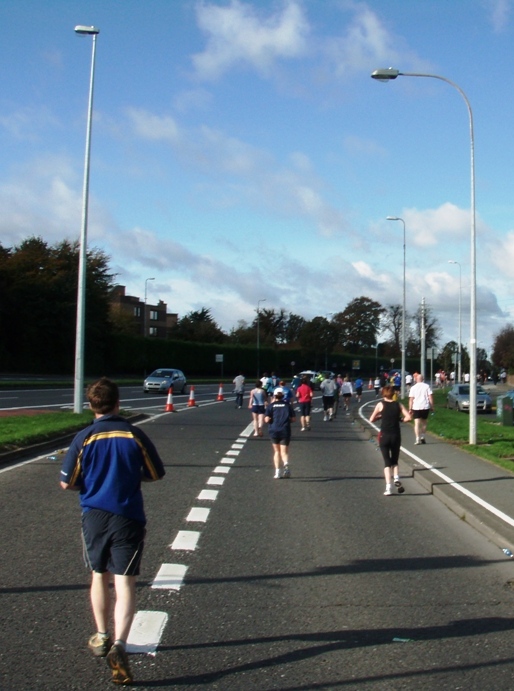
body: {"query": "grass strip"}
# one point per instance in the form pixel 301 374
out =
pixel 18 431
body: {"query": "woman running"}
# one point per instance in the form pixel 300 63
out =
pixel 390 438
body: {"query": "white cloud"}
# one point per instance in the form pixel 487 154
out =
pixel 367 44
pixel 499 13
pixel 237 34
pixel 431 226
pixel 240 172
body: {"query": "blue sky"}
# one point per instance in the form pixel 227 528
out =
pixel 241 151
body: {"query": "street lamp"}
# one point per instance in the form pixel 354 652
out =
pixel 258 342
pixel 386 75
pixel 144 309
pixel 459 352
pixel 329 314
pixel 404 315
pixel 78 394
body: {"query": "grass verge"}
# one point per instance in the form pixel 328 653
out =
pixel 19 431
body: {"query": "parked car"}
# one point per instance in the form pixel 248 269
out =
pixel 161 379
pixel 458 399
pixel 312 376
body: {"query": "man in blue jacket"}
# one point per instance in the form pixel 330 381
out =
pixel 106 463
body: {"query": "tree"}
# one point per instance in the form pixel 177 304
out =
pixel 432 332
pixel 503 348
pixel 392 325
pixel 38 305
pixel 448 355
pixel 359 324
pixel 318 338
pixel 199 325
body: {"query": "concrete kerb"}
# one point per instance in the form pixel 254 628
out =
pixel 479 518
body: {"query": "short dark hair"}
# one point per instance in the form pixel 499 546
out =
pixel 103 396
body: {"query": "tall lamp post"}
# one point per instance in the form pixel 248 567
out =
pixel 258 334
pixel 386 74
pixel 329 314
pixel 459 350
pixel 78 392
pixel 144 308
pixel 404 315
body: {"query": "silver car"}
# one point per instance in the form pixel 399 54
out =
pixel 161 379
pixel 458 399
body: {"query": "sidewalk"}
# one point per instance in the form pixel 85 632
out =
pixel 479 492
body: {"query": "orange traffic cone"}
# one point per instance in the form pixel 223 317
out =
pixel 169 402
pixel 220 393
pixel 191 403
pixel 370 385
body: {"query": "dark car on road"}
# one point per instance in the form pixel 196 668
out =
pixel 161 379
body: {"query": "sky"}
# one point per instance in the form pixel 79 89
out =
pixel 242 155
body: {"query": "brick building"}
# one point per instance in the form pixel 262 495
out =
pixel 149 320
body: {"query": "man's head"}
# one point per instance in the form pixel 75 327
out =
pixel 103 396
pixel 419 378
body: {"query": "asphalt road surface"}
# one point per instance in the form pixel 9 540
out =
pixel 317 582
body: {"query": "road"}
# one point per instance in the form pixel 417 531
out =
pixel 317 582
pixel 132 398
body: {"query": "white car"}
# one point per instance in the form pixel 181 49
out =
pixel 161 379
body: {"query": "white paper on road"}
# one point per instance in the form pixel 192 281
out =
pixel 146 632
pixel 170 577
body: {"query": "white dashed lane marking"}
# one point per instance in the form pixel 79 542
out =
pixel 213 480
pixel 146 632
pixel 170 577
pixel 208 494
pixel 186 540
pixel 198 515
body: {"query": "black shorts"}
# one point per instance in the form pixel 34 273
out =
pixel 328 402
pixel 112 543
pixel 281 438
pixel 421 414
pixel 305 409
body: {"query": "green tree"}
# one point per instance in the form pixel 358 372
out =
pixel 199 325
pixel 359 324
pixel 317 339
pixel 503 349
pixel 38 306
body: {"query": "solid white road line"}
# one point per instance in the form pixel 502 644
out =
pixel 170 577
pixel 489 507
pixel 146 631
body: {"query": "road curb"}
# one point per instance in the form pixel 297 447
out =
pixel 478 517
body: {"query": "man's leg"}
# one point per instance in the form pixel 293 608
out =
pixel 125 607
pixel 100 600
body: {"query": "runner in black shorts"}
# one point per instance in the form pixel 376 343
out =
pixel 279 416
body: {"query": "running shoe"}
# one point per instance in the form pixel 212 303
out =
pixel 277 475
pixel 287 472
pixel 99 644
pixel 423 440
pixel 398 484
pixel 303 429
pixel 117 659
pixel 388 491
pixel 418 441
